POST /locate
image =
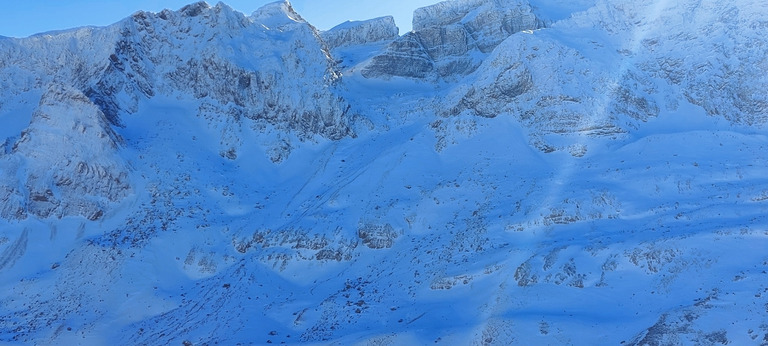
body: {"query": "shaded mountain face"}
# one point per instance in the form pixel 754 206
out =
pixel 70 148
pixel 532 172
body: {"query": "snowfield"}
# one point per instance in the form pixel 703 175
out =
pixel 510 172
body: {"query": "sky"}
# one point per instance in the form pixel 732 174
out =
pixel 24 18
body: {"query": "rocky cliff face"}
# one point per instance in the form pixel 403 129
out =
pixel 180 54
pixel 66 163
pixel 487 23
pixel 361 32
pixel 446 33
pixel 564 86
pixel 229 64
pixel 714 73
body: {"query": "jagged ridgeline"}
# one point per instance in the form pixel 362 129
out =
pixel 508 172
pixel 269 69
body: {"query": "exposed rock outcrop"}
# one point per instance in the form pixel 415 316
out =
pixel 361 32
pixel 234 63
pixel 170 53
pixel 444 34
pixel 66 162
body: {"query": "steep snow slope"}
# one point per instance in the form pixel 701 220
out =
pixel 580 184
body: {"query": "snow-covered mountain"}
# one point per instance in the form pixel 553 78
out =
pixel 349 33
pixel 509 172
pixel 451 37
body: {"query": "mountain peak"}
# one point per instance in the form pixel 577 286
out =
pixel 362 32
pixel 194 9
pixel 446 34
pixel 277 14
